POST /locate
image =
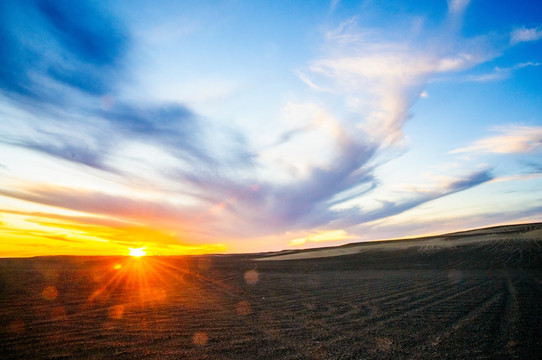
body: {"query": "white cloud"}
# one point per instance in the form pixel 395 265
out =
pixel 512 139
pixel 524 35
pixel 314 128
pixel 380 78
pixel 458 62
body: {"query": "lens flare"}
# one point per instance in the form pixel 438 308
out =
pixel 139 252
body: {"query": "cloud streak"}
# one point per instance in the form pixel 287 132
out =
pixel 498 73
pixel 525 35
pixel 115 218
pixel 513 139
pixel 87 49
pixel 415 198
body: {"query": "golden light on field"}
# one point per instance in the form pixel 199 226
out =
pixel 127 284
pixel 138 252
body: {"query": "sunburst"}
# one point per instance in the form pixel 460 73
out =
pixel 138 252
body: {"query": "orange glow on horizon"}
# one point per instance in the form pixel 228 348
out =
pixel 48 234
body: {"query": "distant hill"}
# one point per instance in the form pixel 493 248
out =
pixel 531 231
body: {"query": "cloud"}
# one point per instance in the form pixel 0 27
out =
pixel 303 77
pixel 525 35
pixel 271 208
pixel 170 126
pixel 513 139
pixel 48 45
pixel 103 235
pixel 414 226
pixel 76 152
pixel 116 217
pixel 302 203
pixel 498 73
pixel 535 173
pixel 381 78
pixel 87 220
pixel 100 203
pixel 414 198
pixel 58 57
pixel 457 6
pixel 68 92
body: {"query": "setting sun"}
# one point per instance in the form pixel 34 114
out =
pixel 138 252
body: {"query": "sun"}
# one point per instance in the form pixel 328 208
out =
pixel 139 252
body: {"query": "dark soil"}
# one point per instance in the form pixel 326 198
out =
pixel 479 301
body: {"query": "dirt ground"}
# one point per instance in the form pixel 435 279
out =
pixel 446 299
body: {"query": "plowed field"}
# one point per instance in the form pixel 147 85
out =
pixel 461 300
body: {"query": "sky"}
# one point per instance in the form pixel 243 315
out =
pixel 190 127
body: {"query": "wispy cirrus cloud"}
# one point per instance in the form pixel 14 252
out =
pixel 56 57
pixel 509 140
pixel 48 45
pixel 69 90
pixel 381 78
pixel 100 203
pixel 414 197
pixel 498 73
pixel 525 35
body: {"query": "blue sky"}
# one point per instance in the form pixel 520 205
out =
pixel 237 126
